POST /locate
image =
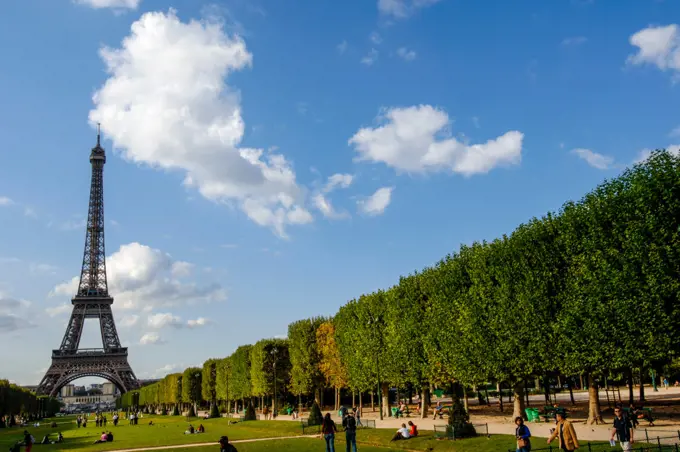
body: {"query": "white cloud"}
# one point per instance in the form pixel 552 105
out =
pixel 342 47
pixel 321 201
pixel 161 320
pixel 12 315
pixel 401 9
pixel 418 139
pixel 115 4
pixel 167 370
pixel 166 105
pixel 594 159
pixel 199 322
pixel 43 268
pixel 645 153
pixel 141 278
pixel 675 132
pixel 370 58
pixel 229 245
pixel 659 46
pixel 73 225
pixel 406 54
pixel 5 201
pixel 574 41
pixel 181 269
pixel 59 310
pixel 129 321
pixel 377 202
pixel 375 38
pixel 338 180
pixel 151 339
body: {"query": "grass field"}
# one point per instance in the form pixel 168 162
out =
pixel 169 431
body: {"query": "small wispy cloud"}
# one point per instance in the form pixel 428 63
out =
pixel 406 54
pixel 594 159
pixel 574 41
pixel 370 58
pixel 342 47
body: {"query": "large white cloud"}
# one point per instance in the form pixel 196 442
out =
pixel 12 314
pixel 143 278
pixel 166 104
pixel 659 46
pixel 418 139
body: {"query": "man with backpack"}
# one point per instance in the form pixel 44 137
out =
pixel 225 446
pixel 349 423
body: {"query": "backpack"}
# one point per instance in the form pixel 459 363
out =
pixel 350 424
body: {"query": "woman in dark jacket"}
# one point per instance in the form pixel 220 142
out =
pixel 522 434
pixel 328 431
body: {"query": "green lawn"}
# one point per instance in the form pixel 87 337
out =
pixel 169 430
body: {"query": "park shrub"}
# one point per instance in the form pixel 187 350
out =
pixel 250 413
pixel 214 411
pixel 175 411
pixel 315 416
pixel 459 425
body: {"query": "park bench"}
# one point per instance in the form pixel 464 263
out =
pixel 646 416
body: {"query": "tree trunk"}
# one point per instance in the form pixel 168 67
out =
pixel 386 400
pixel 526 393
pixel 321 400
pixel 336 399
pixel 518 406
pixel 500 396
pixel 559 382
pixel 594 414
pixel 581 378
pixel 424 400
pixel 317 396
pixel 642 385
pixel 361 402
pixel 354 398
pixel 571 391
pixel 546 389
pixel 631 392
pixel 372 402
pixel 410 394
pixel 466 402
pixel 537 383
pixel 486 393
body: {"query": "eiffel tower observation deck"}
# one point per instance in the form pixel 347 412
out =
pixel 91 301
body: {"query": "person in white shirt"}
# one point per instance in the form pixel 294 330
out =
pixel 402 433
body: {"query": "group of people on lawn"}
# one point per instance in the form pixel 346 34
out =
pixel 349 424
pixel 623 429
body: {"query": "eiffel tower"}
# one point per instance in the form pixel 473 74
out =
pixel 70 362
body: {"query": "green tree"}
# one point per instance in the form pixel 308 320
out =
pixel 305 376
pixel 240 371
pixel 191 388
pixel 224 387
pixel 270 368
pixel 209 385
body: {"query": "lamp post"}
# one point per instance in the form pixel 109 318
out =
pixel 372 322
pixel 273 352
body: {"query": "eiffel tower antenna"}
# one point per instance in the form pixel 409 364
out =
pixel 92 300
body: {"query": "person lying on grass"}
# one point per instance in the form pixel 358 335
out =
pixel 402 433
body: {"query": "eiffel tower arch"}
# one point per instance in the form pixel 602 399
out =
pixel 92 301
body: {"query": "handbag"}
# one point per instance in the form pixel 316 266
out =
pixel 522 442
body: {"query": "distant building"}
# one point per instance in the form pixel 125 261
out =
pixel 109 389
pixel 68 391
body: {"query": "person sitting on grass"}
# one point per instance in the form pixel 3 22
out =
pixel 102 439
pixel 109 437
pixel 190 431
pixel 402 433
pixel 412 429
pixel 60 438
pixel 201 429
pixel 150 422
pixel 225 446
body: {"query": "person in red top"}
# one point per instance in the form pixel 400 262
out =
pixel 412 428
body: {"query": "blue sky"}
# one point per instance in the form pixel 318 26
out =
pixel 270 160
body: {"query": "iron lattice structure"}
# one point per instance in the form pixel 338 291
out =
pixel 92 300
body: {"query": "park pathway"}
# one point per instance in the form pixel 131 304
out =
pixel 211 443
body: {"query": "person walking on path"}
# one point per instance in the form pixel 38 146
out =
pixel 349 423
pixel 522 434
pixel 565 432
pixel 623 429
pixel 328 431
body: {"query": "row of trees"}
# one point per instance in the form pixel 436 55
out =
pixel 18 401
pixel 591 290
